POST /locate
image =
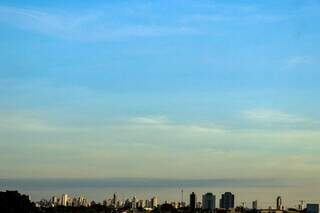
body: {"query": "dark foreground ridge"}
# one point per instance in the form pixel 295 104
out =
pixel 14 202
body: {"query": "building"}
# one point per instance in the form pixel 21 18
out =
pixel 208 201
pixel 134 202
pixel 255 204
pixel 193 201
pixel 74 202
pixel 301 205
pixel 140 204
pixel 279 203
pixel 147 204
pixel 54 201
pixel 64 200
pixel 114 200
pixel 312 208
pixel 127 204
pixel 154 202
pixel 227 200
pixel 82 201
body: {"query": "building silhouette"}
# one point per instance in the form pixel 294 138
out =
pixel 114 200
pixel 193 201
pixel 134 202
pixel 154 202
pixel 313 208
pixel 227 200
pixel 64 200
pixel 279 203
pixel 255 204
pixel 208 201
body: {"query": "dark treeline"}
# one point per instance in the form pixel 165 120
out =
pixel 14 202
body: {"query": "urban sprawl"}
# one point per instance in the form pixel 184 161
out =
pixel 207 204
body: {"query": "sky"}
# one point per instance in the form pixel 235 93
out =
pixel 160 89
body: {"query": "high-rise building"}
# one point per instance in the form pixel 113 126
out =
pixel 114 200
pixel 312 208
pixel 279 203
pixel 140 204
pixel 134 202
pixel 54 201
pixel 147 203
pixel 208 201
pixel 64 200
pixel 301 205
pixel 154 202
pixel 82 201
pixel 127 203
pixel 255 204
pixel 193 201
pixel 75 202
pixel 227 200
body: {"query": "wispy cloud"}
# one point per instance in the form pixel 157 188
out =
pixel 101 25
pixel 87 26
pixel 162 122
pixel 272 116
pixel 235 14
pixel 232 18
pixel 151 120
pixel 24 122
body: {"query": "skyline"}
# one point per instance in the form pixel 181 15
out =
pixel 20 202
pixel 160 89
pixel 265 191
pixel 206 200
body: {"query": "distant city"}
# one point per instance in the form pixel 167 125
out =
pixel 205 203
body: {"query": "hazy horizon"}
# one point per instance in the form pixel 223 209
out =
pixel 166 190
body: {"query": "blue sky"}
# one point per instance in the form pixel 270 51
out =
pixel 181 89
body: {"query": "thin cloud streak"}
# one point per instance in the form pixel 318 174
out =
pixel 272 116
pixel 93 26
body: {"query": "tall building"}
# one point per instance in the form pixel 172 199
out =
pixel 208 201
pixel 154 202
pixel 227 200
pixel 193 201
pixel 75 202
pixel 140 204
pixel 64 200
pixel 54 201
pixel 279 203
pixel 127 203
pixel 134 202
pixel 312 208
pixel 255 204
pixel 147 203
pixel 114 200
pixel 301 205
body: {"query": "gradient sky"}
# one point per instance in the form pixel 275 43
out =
pixel 172 89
